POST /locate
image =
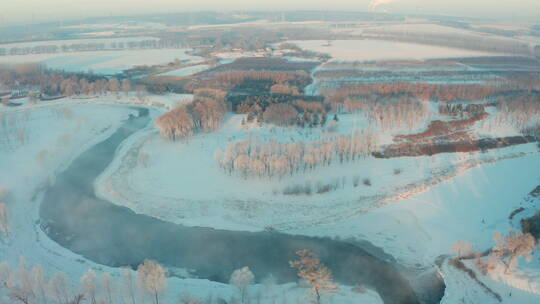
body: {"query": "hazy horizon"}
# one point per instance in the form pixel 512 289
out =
pixel 24 11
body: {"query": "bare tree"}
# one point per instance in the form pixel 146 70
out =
pixel 4 224
pixel 318 276
pixel 126 86
pixel 108 287
pixel 40 280
pixel 242 278
pixel 21 284
pixel 152 278
pixel 129 283
pixel 5 272
pixel 510 248
pixel 59 288
pixel 177 123
pixel 89 282
pixel 114 85
pixel 462 248
pixel 281 114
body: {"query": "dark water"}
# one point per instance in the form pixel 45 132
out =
pixel 116 236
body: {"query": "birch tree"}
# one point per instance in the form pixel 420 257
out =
pixel 242 278
pixel 129 284
pixel 152 278
pixel 89 282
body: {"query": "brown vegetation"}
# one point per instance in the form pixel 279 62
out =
pixel 281 114
pixel 205 114
pixel 507 251
pixel 27 77
pixel 424 91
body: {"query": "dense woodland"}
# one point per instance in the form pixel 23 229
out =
pixel 204 114
pixel 36 81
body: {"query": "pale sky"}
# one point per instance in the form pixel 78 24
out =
pixel 19 11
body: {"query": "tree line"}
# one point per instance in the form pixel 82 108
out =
pixel 31 284
pixel 423 91
pixel 252 157
pixel 37 77
pixel 4 222
pixel 88 46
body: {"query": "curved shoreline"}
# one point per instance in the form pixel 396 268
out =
pixel 74 217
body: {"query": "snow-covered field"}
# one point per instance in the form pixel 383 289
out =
pixel 363 50
pixel 187 71
pixel 104 62
pixel 56 133
pixel 59 43
pixel 415 216
pixel 209 196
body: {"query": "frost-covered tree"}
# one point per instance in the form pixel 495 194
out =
pixel 129 284
pixel 176 124
pixel 108 287
pixel 462 248
pixel 40 280
pixel 242 278
pixel 5 272
pixel 89 282
pixel 318 276
pixel 59 289
pixel 126 86
pixel 20 284
pixel 152 278
pixel 114 85
pixel 4 224
pixel 510 248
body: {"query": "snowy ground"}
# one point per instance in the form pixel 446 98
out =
pixel 361 50
pixel 415 216
pixel 57 132
pixel 158 185
pixel 104 62
pixel 187 71
pixel 106 41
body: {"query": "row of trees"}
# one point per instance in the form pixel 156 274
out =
pixel 251 157
pixel 404 113
pixel 205 114
pixel 229 79
pixel 521 112
pixel 32 76
pixel 424 91
pixel 4 223
pixel 30 284
pixel 89 46
pixel 285 114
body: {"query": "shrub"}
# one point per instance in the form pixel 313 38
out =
pixel 367 182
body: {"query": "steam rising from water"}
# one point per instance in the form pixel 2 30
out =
pixel 376 3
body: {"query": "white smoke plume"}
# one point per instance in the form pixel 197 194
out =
pixel 376 3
